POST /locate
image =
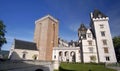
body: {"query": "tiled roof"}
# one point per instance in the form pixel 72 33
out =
pixel 21 44
pixel 98 14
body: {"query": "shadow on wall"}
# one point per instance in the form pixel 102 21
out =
pixel 22 65
pixel 15 56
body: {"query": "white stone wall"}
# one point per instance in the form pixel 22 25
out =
pixel 17 54
pixel 86 51
pixel 104 21
pixel 66 49
pixel 57 59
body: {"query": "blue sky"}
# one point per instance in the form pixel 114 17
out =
pixel 19 16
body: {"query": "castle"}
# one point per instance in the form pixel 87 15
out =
pixel 94 43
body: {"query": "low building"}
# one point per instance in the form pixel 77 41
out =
pixel 23 50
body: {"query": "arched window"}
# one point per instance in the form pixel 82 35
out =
pixel 34 57
pixel 24 56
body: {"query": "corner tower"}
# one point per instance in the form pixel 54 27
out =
pixel 82 32
pixel 46 36
pixel 101 30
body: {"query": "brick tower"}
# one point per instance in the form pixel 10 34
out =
pixel 46 36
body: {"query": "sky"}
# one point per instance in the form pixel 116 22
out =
pixel 19 16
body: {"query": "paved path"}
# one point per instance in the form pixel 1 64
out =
pixel 116 68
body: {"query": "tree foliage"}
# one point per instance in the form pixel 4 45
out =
pixel 2 34
pixel 116 41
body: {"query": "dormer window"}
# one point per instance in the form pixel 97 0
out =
pixel 89 35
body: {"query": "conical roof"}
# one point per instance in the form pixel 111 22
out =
pixel 98 14
pixel 82 28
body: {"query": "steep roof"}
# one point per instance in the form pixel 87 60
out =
pixel 20 44
pixel 98 14
pixel 82 28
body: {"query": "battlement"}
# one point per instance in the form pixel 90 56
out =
pixel 104 18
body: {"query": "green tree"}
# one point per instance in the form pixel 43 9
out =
pixel 116 42
pixel 2 34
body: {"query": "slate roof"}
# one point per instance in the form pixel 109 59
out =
pixel 97 14
pixel 21 44
pixel 82 28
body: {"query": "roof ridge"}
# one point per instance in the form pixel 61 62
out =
pixel 24 40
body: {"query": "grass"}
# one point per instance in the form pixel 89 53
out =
pixel 83 67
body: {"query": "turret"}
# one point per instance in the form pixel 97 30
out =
pixel 82 31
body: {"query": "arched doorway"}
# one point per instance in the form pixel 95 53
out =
pixel 60 56
pixel 67 56
pixel 73 56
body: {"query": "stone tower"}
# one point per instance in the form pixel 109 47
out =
pixel 46 36
pixel 100 27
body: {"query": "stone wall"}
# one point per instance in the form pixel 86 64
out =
pixel 25 65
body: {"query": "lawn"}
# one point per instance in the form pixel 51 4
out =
pixel 83 67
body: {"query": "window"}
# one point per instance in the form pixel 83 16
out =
pixel 102 33
pixel 90 43
pixel 34 57
pixel 107 58
pixel 101 26
pixel 106 50
pixel 104 42
pixel 54 56
pixel 91 49
pixel 93 58
pixel 89 35
pixel 24 56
